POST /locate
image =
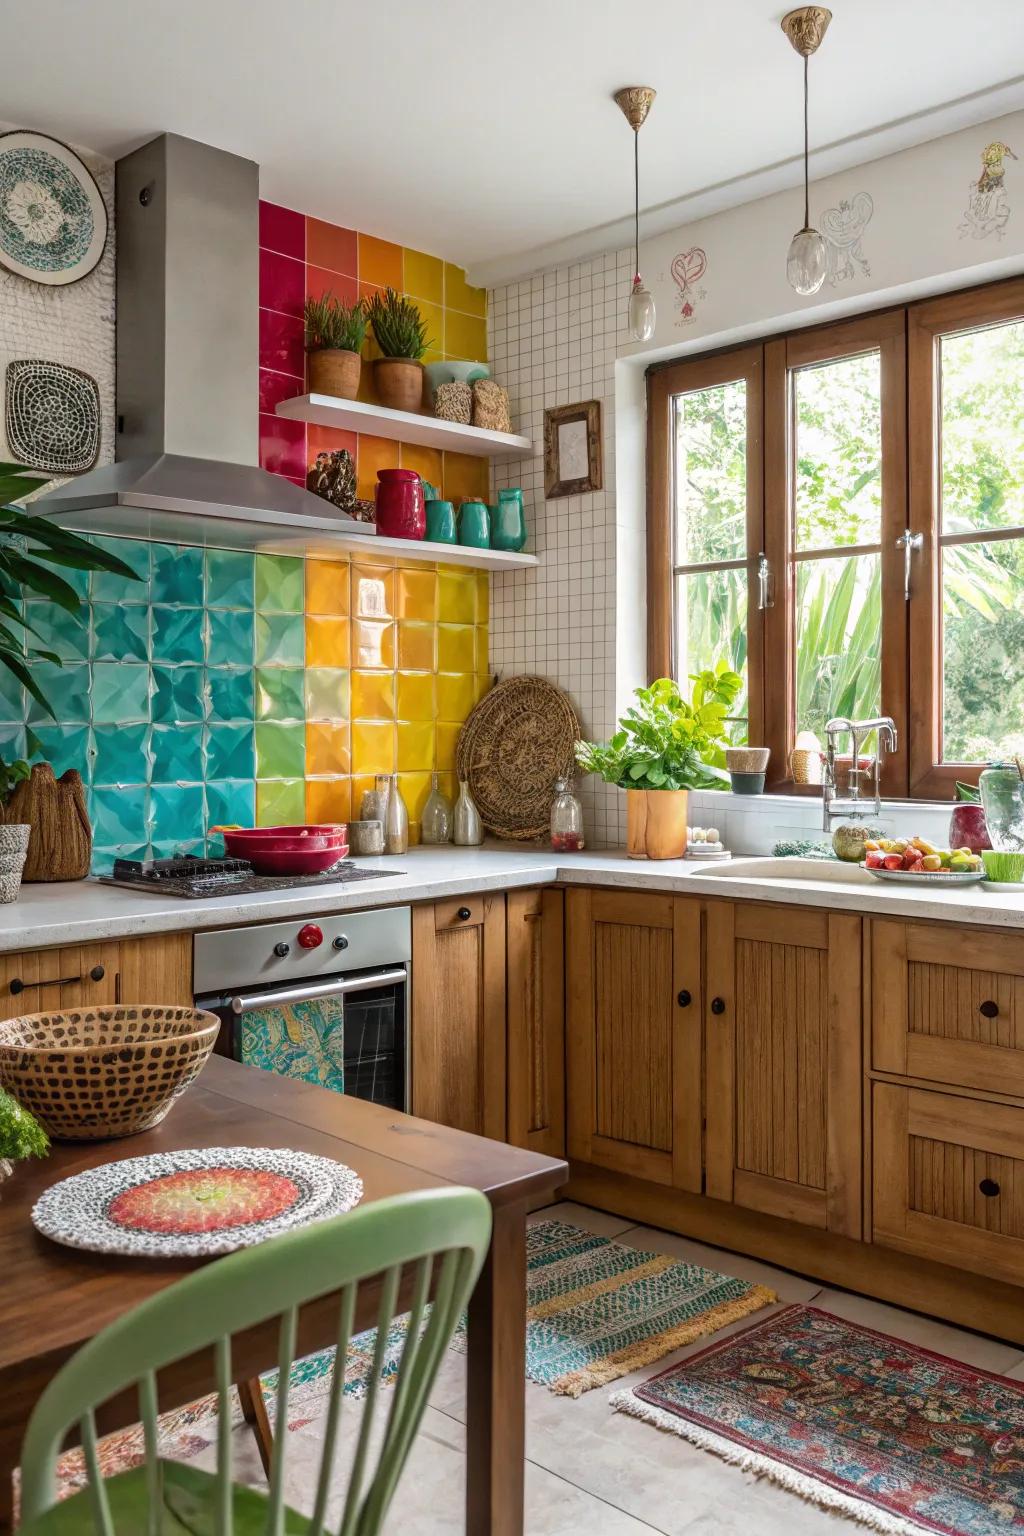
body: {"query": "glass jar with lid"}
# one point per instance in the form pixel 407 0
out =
pixel 1002 795
pixel 566 819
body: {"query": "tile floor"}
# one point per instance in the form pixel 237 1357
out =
pixel 595 1471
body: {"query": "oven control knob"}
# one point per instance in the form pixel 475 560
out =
pixel 282 949
pixel 341 942
pixel 311 936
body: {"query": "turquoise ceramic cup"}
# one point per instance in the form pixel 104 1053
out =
pixel 441 522
pixel 508 522
pixel 474 525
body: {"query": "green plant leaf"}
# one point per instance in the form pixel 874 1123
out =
pixel 23 674
pixel 38 578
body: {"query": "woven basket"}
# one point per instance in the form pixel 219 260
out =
pixel 520 738
pixel 91 1073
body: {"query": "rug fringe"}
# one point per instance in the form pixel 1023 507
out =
pixel 762 1465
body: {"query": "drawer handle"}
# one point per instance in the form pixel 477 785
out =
pixel 989 1009
pixel 717 1005
pixel 16 984
pixel 989 1188
pixel 684 999
pixel 463 914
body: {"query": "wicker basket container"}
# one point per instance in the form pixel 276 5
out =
pixel 93 1073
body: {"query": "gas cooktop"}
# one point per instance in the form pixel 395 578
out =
pixel 196 878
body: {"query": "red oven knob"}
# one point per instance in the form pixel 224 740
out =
pixel 311 936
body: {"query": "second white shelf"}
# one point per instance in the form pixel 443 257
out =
pixel 404 426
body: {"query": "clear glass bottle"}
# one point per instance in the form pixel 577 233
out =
pixel 468 829
pixel 375 801
pixel 566 819
pixel 436 825
pixel 396 820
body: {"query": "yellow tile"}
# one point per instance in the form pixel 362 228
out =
pixel 447 783
pixel 373 592
pixel 456 649
pixel 415 788
pixel 380 262
pixel 373 644
pixel 416 698
pixel 360 784
pixel 483 597
pixel 482 684
pixel 327 587
pixel 464 476
pixel 435 319
pixel 456 598
pixel 328 800
pixel 327 747
pixel 327 642
pixel 423 276
pixel 417 646
pixel 459 295
pixel 465 336
pixel 483 661
pixel 456 696
pixel 427 462
pixel 417 595
pixel 447 741
pixel 415 747
pixel 372 454
pixel 373 748
pixel 373 695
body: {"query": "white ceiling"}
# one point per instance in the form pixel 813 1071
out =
pixel 483 130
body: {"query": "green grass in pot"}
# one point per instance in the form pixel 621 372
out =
pixel 334 326
pixel 398 327
pixel 667 742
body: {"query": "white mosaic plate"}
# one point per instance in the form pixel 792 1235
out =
pixel 195 1203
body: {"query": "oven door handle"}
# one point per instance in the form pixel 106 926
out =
pixel 314 990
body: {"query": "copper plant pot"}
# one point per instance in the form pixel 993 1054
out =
pixel 334 372
pixel 656 823
pixel 399 383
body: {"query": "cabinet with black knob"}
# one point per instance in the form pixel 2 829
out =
pixel 141 970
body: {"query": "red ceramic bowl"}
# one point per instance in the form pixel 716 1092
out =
pixel 289 850
pixel 312 862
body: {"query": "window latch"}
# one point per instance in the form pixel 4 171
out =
pixel 908 541
pixel 765 583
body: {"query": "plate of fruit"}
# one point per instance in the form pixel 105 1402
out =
pixel 915 861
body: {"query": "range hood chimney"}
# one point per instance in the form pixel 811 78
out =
pixel 187 221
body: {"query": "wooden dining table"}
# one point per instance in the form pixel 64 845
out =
pixel 54 1298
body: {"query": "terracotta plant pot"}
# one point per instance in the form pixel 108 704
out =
pixel 399 383
pixel 656 823
pixel 334 372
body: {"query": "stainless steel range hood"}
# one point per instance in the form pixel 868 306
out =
pixel 187 365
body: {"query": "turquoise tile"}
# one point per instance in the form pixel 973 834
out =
pixel 118 816
pixel 230 801
pixel 64 747
pixel 65 688
pixel 177 813
pixel 280 693
pixel 119 754
pixel 280 639
pixel 229 578
pixel 12 696
pixel 177 635
pixel 279 584
pixel 177 753
pixel 229 694
pixel 120 632
pixel 13 742
pixel 229 637
pixel 177 695
pixel 54 629
pixel 327 693
pixel 230 752
pixel 280 751
pixel 107 587
pixel 177 574
pixel 120 692
pixel 282 803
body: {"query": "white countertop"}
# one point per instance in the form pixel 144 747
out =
pixel 85 911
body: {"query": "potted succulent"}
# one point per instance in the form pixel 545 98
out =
pixel 665 746
pixel 335 333
pixel 21 1135
pixel 401 334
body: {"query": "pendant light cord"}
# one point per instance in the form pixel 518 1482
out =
pixel 636 200
pixel 807 192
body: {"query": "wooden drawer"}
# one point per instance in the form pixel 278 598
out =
pixel 948 1005
pixel 43 980
pixel 461 912
pixel 949 1179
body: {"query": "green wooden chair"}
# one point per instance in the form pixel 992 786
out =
pixel 442 1234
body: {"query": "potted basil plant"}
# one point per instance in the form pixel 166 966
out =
pixel 401 334
pixel 665 746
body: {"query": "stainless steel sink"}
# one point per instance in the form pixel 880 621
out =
pixel 801 871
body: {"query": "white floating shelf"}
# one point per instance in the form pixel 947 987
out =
pixel 404 426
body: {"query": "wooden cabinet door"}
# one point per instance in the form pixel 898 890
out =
pixel 535 981
pixel 947 1004
pixel 458 1014
pixel 783 1041
pixel 49 980
pixel 633 1083
pixel 949 1179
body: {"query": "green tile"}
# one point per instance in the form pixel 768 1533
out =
pixel 120 632
pixel 177 574
pixel 280 694
pixel 12 696
pixel 229 578
pixel 178 695
pixel 115 589
pixel 229 693
pixel 280 750
pixel 13 742
pixel 231 801
pixel 229 637
pixel 177 816
pixel 230 752
pixel 177 634
pixel 55 629
pixel 65 688
pixel 281 804
pixel 120 754
pixel 279 584
pixel 177 753
pixel 63 747
pixel 118 816
pixel 327 693
pixel 280 639
pixel 120 692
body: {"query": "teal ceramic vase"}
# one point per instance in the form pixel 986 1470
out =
pixel 441 522
pixel 474 525
pixel 508 521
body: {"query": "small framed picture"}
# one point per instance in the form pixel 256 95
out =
pixel 572 450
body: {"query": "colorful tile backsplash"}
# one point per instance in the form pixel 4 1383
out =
pixel 230 687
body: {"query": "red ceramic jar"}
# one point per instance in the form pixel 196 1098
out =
pixel 401 511
pixel 967 827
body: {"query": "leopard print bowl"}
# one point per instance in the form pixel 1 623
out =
pixel 93 1073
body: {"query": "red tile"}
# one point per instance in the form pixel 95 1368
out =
pixel 275 387
pixel 281 344
pixel 283 447
pixel 282 229
pixel 320 280
pixel 282 283
pixel 330 246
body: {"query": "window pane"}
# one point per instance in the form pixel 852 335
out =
pixel 982 651
pixel 983 429
pixel 838 640
pixel 839 452
pixel 711 474
pixel 711 624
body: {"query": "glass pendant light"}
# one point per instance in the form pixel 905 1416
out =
pixel 634 102
pixel 807 261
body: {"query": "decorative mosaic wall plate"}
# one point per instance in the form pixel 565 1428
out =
pixel 53 220
pixel 52 416
pixel 192 1204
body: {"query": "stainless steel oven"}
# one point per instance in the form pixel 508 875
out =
pixel 324 999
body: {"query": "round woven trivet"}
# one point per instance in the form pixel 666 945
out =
pixel 519 739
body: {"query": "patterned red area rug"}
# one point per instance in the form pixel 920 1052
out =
pixel 857 1421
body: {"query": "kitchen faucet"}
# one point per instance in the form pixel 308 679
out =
pixel 853 806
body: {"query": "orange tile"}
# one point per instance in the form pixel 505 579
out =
pixel 374 453
pixel 458 294
pixel 373 591
pixel 465 336
pixel 417 645
pixel 447 741
pixel 373 748
pixel 423 276
pixel 327 642
pixel 425 461
pixel 320 280
pixel 327 587
pixel 416 594
pixel 331 246
pixel 328 440
pixel 360 784
pixel 373 644
pixel 379 262
pixel 373 695
pixel 464 476
pixel 328 800
pixel 327 747
pixel 415 746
